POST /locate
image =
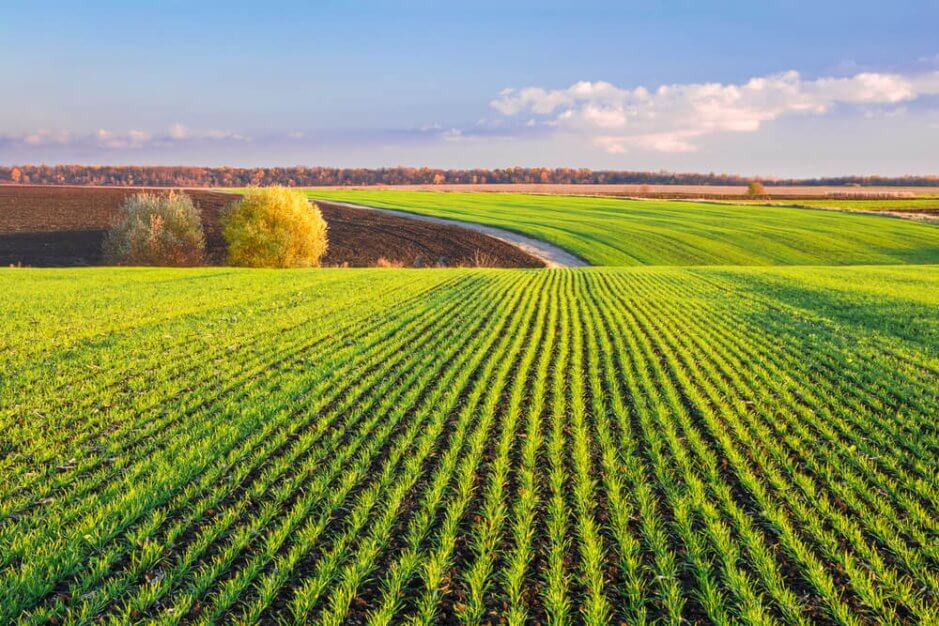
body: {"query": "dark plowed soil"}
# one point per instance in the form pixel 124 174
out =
pixel 65 226
pixel 361 237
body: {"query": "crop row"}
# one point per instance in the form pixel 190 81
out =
pixel 587 446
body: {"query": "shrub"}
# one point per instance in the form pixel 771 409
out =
pixel 156 229
pixel 274 227
pixel 755 189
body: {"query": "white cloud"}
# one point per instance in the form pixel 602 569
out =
pixel 44 137
pixel 178 132
pixel 116 140
pixel 130 139
pixel 672 117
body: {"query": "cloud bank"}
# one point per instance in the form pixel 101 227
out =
pixel 672 117
pixel 176 134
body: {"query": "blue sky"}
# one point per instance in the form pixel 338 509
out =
pixel 840 87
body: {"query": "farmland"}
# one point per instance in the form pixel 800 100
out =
pixel 65 226
pixel 607 231
pixel 919 205
pixel 560 446
pixel 916 206
pixel 883 204
pixel 469 314
pixel 750 438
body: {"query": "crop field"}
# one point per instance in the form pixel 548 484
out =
pixel 888 204
pixel 65 226
pixel 905 205
pixel 660 232
pixel 596 446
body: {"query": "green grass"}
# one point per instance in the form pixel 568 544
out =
pixel 594 446
pixel 912 205
pixel 893 204
pixel 606 231
pixel 602 445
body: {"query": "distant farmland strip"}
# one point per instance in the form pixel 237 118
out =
pixel 590 446
pixel 908 205
pixel 608 231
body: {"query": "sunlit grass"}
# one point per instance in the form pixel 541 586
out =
pixel 607 231
pixel 574 446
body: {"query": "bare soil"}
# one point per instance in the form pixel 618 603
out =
pixel 548 254
pixel 360 237
pixel 65 226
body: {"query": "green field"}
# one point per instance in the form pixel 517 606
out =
pixel 598 446
pixel 910 205
pixel 891 204
pixel 601 445
pixel 606 231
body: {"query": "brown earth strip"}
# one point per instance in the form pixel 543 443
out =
pixel 65 226
pixel 360 237
pixel 548 254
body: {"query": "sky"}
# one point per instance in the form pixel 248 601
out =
pixel 769 88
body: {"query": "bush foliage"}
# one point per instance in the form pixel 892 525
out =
pixel 156 229
pixel 755 189
pixel 274 227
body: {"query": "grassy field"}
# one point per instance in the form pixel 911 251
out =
pixel 751 445
pixel 909 205
pixel 655 232
pixel 890 204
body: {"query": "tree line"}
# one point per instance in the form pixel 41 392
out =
pixel 183 176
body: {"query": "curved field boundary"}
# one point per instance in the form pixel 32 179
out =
pixel 551 255
pixel 363 238
pixel 660 232
pixel 916 216
pixel 928 213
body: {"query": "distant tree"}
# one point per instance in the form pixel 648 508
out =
pixel 755 189
pixel 16 175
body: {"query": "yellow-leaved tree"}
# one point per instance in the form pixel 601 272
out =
pixel 274 227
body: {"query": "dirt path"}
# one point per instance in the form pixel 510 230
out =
pixel 551 255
